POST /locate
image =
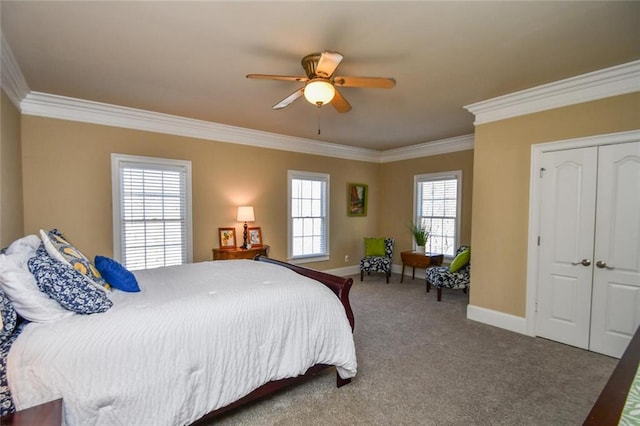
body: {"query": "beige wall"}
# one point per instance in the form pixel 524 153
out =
pixel 396 204
pixel 67 184
pixel 11 222
pixel 501 190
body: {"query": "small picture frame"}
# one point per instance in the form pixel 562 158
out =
pixel 227 238
pixel 254 236
pixel 357 197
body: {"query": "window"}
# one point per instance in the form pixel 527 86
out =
pixel 151 211
pixel 308 216
pixel 437 206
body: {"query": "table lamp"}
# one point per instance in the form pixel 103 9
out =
pixel 245 214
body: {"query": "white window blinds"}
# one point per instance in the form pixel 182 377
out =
pixel 308 221
pixel 438 208
pixel 154 219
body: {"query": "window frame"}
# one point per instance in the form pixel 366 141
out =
pixel 117 163
pixel 325 178
pixel 437 176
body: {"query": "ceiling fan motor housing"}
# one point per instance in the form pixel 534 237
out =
pixel 310 63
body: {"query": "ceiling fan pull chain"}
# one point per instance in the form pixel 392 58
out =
pixel 319 108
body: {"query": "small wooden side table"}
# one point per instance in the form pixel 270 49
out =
pixel 419 260
pixel 47 414
pixel 240 253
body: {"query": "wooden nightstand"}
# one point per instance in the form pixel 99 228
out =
pixel 47 414
pixel 419 260
pixel 240 253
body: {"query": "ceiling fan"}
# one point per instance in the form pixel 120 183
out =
pixel 320 83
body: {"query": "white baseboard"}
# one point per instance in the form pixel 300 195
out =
pixel 343 272
pixel 355 269
pixel 497 319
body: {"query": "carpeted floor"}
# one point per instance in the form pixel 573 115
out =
pixel 421 362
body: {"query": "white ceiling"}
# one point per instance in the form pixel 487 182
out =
pixel 190 58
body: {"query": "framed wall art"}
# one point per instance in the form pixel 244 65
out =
pixel 357 197
pixel 254 236
pixel 227 238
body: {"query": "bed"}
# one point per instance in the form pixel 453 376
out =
pixel 196 341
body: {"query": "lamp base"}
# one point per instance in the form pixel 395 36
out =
pixel 244 235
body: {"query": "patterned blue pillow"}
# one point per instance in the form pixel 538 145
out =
pixel 9 317
pixel 62 250
pixel 6 402
pixel 66 285
pixel 117 275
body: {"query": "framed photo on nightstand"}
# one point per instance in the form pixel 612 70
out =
pixel 227 238
pixel 254 236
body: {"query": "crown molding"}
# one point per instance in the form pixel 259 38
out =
pixel 442 146
pixel 613 81
pixel 12 81
pixel 65 108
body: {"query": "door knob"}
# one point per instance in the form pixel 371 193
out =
pixel 585 262
pixel 600 264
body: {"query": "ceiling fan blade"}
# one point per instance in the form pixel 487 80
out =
pixel 340 103
pixel 289 99
pixel 278 77
pixel 328 63
pixel 373 82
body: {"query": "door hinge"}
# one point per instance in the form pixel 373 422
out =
pixel 538 240
pixel 542 169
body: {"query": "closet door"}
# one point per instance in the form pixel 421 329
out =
pixel 566 245
pixel 616 276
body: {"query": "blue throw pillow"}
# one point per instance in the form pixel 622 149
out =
pixel 66 285
pixel 117 275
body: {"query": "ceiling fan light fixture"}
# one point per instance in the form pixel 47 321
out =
pixel 319 91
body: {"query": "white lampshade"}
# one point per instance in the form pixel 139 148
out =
pixel 245 214
pixel 319 91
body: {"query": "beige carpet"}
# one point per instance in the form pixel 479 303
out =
pixel 421 362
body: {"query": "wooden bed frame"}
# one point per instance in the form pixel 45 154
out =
pixel 608 408
pixel 341 287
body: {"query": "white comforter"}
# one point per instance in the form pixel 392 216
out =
pixel 196 338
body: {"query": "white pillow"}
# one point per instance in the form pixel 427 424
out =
pixel 25 245
pixel 21 288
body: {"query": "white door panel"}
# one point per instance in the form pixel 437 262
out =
pixel 566 238
pixel 616 294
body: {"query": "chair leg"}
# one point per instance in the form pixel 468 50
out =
pixel 387 274
pixel 439 294
pixel 361 274
pixel 428 286
pixel 464 290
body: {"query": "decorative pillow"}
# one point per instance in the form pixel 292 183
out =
pixel 66 285
pixel 374 246
pixel 20 286
pixel 8 317
pixel 117 275
pixel 60 249
pixel 460 260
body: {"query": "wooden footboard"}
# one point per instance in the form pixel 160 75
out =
pixel 341 287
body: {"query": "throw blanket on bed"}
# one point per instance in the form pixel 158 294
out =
pixel 196 338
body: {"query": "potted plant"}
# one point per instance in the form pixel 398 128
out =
pixel 420 234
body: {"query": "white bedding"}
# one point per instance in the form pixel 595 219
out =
pixel 196 338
